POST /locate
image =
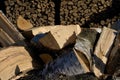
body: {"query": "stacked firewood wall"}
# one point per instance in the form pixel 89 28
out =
pixel 38 12
pixel 88 13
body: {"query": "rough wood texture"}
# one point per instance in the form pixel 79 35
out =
pixel 67 64
pixel 114 58
pixel 14 60
pixel 102 49
pixel 82 59
pixel 84 47
pixel 10 29
pixel 44 29
pixel 23 24
pixel 5 39
pixel 60 37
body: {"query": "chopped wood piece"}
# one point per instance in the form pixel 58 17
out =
pixel 82 59
pixel 46 58
pixel 5 39
pixel 14 60
pixel 9 28
pixel 114 58
pixel 67 64
pixel 44 29
pixel 102 49
pixel 84 47
pixel 60 37
pixel 23 24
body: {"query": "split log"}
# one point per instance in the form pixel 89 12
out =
pixel 83 60
pixel 44 29
pixel 14 60
pixel 60 37
pixel 5 39
pixel 23 24
pixel 113 61
pixel 102 49
pixel 67 64
pixel 84 47
pixel 10 29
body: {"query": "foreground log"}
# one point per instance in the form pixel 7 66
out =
pixel 60 37
pixel 44 29
pixel 84 47
pixel 5 39
pixel 113 63
pixel 102 49
pixel 14 60
pixel 114 58
pixel 67 64
pixel 23 24
pixel 10 29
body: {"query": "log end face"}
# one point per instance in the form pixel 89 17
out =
pixel 23 24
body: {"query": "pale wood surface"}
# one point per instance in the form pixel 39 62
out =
pixel 44 29
pixel 83 60
pixel 23 24
pixel 14 60
pixel 60 37
pixel 114 58
pixel 102 49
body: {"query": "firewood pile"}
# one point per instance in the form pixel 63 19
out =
pixel 60 40
pixel 87 13
pixel 38 12
pixel 65 52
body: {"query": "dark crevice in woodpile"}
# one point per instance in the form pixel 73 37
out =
pixel 2 6
pixel 57 11
pixel 1 45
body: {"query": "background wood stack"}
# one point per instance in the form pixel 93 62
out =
pixel 38 12
pixel 89 13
